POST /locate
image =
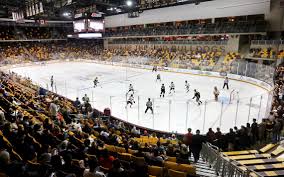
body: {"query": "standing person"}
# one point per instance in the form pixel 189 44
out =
pixel 149 105
pixel 188 140
pixel 231 138
pixel 53 109
pixel 96 81
pixel 226 83
pixel 196 145
pixel 130 101
pixel 187 86
pixel 216 93
pixel 131 89
pixel 163 91
pixel 254 131
pixel 158 78
pixel 276 131
pixel 172 87
pixel 197 97
pixel 51 82
pixel 77 103
pixel 86 98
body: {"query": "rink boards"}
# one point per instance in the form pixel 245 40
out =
pixel 171 114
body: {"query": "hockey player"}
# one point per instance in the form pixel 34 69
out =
pixel 149 105
pixel 154 69
pixel 130 101
pixel 158 78
pixel 51 82
pixel 96 81
pixel 163 91
pixel 226 83
pixel 131 89
pixel 197 97
pixel 172 87
pixel 187 86
pixel 216 93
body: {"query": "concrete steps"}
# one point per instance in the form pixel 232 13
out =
pixel 203 169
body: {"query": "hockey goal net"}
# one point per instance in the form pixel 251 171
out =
pixel 234 95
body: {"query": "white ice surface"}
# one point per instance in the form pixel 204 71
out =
pixel 74 79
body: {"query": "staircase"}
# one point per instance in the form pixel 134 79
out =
pixel 245 50
pixel 203 169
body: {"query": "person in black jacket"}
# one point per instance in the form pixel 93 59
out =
pixel 196 145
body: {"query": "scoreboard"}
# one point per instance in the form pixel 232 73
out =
pixel 88 25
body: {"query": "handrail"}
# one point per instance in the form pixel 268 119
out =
pixel 223 166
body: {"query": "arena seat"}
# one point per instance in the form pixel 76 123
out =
pixel 125 156
pixel 188 169
pixel 138 160
pixel 174 173
pixel 119 149
pixel 267 148
pixel 155 171
pixel 171 159
pixel 272 173
pixel 260 161
pixel 247 157
pixel 266 167
pixel 278 151
pixel 234 153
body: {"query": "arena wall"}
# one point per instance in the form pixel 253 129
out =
pixel 210 48
pixel 205 10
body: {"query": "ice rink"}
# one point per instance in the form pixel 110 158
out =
pixel 175 112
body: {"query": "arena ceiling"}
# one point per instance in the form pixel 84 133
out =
pixel 53 9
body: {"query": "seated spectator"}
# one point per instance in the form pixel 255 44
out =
pixel 171 151
pixel 117 170
pixel 106 160
pixel 94 170
pixel 69 167
pixel 183 156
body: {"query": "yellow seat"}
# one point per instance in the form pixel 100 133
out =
pixel 188 169
pixel 171 159
pixel 232 153
pixel 130 151
pixel 173 173
pixel 110 148
pixel 125 156
pixel 119 149
pixel 138 160
pixel 155 171
pixel 267 148
pixel 279 150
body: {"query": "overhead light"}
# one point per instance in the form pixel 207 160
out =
pixel 129 3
